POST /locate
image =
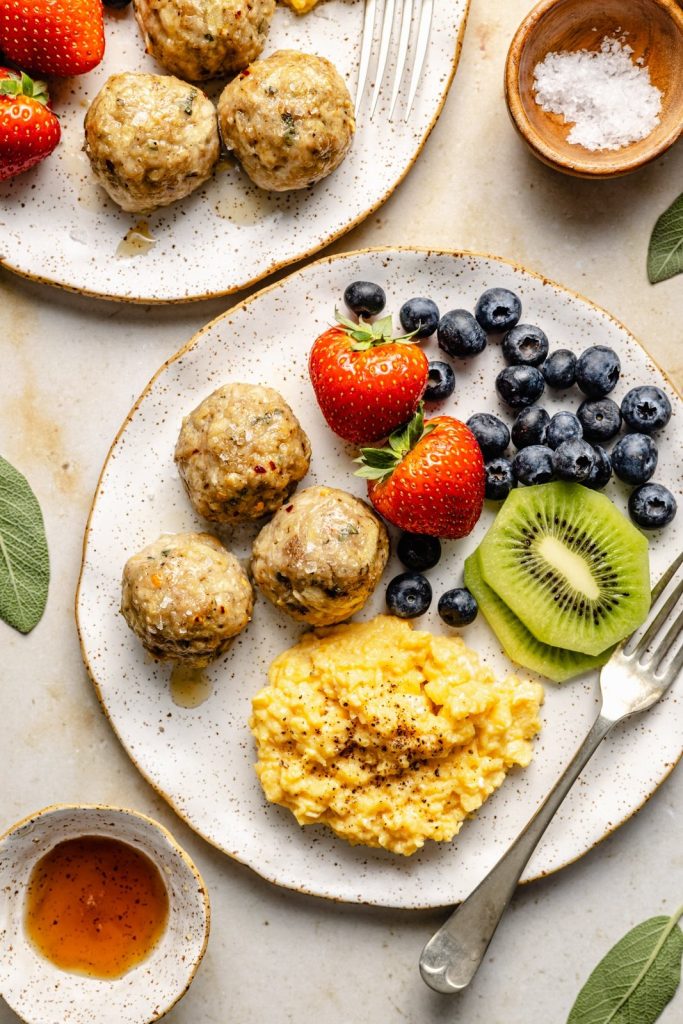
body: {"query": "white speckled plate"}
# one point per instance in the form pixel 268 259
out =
pixel 57 225
pixel 201 759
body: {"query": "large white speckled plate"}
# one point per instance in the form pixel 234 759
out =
pixel 201 759
pixel 57 225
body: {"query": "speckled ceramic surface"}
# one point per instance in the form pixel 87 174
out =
pixel 201 758
pixel 41 993
pixel 58 225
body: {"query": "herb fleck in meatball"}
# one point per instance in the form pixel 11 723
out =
pixel 321 556
pixel 241 453
pixel 200 39
pixel 150 139
pixel 288 119
pixel 186 597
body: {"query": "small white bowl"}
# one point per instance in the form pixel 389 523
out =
pixel 42 993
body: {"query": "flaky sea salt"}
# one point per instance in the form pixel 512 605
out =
pixel 608 98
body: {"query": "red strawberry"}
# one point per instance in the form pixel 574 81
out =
pixel 366 382
pixel 29 131
pixel 430 479
pixel 54 37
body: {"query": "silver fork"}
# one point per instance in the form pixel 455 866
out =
pixel 423 10
pixel 640 670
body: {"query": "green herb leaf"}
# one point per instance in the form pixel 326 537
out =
pixel 24 561
pixel 665 255
pixel 635 981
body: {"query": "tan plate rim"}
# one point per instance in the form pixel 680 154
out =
pixel 278 265
pixel 580 167
pixel 170 839
pixel 380 250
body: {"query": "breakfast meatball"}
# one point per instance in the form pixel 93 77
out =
pixel 288 119
pixel 186 597
pixel 200 39
pixel 150 139
pixel 321 556
pixel 241 453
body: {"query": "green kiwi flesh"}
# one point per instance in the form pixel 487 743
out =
pixel 519 644
pixel 569 565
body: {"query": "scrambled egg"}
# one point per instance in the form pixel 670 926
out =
pixel 301 6
pixel 389 735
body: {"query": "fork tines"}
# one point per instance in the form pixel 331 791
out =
pixel 661 656
pixel 422 11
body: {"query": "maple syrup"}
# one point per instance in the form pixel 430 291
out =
pixel 190 686
pixel 96 906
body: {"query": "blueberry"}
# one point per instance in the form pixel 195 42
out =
pixel 525 345
pixel 564 426
pixel 646 409
pixel 529 426
pixel 600 419
pixel 409 595
pixel 440 382
pixel 559 369
pixel 634 458
pixel 601 471
pixel 573 460
pixel 520 385
pixel 460 335
pixel 365 298
pixel 597 371
pixel 420 316
pixel 492 434
pixel 458 607
pixel 498 310
pixel 418 552
pixel 499 479
pixel 652 506
pixel 533 465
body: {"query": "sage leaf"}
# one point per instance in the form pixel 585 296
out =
pixel 24 560
pixel 635 981
pixel 665 255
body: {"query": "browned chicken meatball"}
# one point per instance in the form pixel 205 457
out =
pixel 288 119
pixel 241 453
pixel 200 39
pixel 150 139
pixel 321 556
pixel 186 597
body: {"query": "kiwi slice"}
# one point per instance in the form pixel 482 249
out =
pixel 569 565
pixel 519 644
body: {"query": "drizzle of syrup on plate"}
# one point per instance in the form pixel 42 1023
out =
pixel 96 906
pixel 136 242
pixel 190 686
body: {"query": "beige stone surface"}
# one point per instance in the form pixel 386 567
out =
pixel 70 369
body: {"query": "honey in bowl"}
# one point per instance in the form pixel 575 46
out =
pixel 96 906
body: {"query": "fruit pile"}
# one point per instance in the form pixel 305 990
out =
pixel 49 39
pixel 560 577
pixel 561 549
pixel 570 444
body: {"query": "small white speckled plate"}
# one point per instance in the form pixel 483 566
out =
pixel 201 759
pixel 41 993
pixel 58 226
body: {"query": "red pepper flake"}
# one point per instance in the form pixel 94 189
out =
pixel 272 465
pixel 289 508
pixel 259 469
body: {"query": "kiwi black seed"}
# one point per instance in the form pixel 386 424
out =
pixel 521 646
pixel 569 565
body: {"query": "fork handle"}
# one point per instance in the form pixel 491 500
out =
pixel 452 956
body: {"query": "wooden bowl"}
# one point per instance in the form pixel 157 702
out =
pixel 654 30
